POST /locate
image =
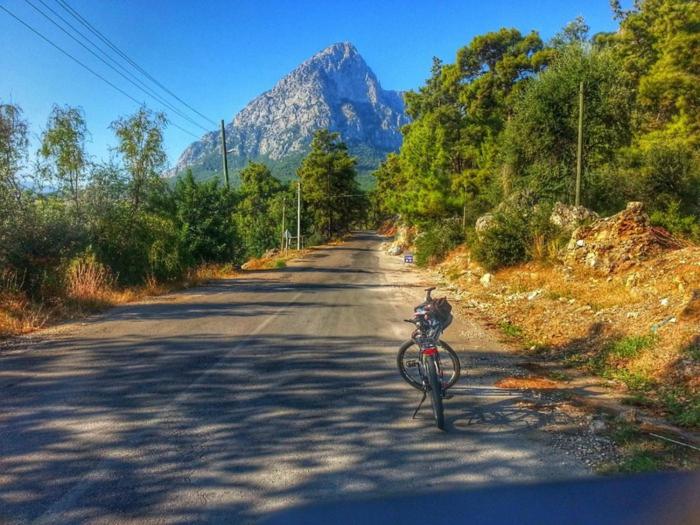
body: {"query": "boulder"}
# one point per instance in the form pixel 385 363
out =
pixel 483 223
pixel 486 280
pixel 395 249
pixel 568 218
pixel 618 242
pixel 524 201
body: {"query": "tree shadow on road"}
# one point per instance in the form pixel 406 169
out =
pixel 201 429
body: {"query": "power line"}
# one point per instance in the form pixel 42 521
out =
pixel 116 49
pixel 95 46
pixel 120 90
pixel 145 89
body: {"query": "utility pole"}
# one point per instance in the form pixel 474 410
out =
pixel 580 144
pixel 328 200
pixel 223 153
pixel 284 203
pixel 464 208
pixel 298 214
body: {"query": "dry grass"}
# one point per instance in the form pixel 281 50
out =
pixel 90 284
pixel 279 260
pixel 527 383
pixel 89 288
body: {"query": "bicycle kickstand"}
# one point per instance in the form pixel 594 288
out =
pixel 425 394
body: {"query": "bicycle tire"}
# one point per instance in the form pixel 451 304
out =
pixel 435 392
pixel 456 367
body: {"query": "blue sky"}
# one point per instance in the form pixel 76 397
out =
pixel 218 55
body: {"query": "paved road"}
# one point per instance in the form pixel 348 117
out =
pixel 226 402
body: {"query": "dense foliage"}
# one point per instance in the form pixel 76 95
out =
pixel 503 119
pixel 125 222
pixel 259 212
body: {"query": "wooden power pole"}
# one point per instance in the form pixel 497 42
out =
pixel 299 215
pixel 223 153
pixel 579 150
pixel 284 231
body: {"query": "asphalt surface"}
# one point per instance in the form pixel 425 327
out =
pixel 230 401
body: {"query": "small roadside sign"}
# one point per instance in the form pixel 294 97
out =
pixel 408 258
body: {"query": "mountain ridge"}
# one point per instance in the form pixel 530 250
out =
pixel 333 89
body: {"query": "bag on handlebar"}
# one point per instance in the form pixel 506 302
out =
pixel 441 310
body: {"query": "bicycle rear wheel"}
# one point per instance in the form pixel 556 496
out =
pixel 409 353
pixel 435 391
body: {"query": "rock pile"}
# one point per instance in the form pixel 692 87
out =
pixel 618 242
pixel 569 218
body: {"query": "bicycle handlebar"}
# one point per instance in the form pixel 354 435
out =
pixel 427 295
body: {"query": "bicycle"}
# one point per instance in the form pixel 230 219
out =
pixel 425 361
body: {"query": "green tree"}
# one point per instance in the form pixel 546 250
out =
pixel 204 214
pixel 449 157
pixel 330 192
pixel 387 194
pixel 140 146
pixel 63 143
pixel 575 32
pixel 13 152
pixel 259 211
pixel 542 136
pixel 658 45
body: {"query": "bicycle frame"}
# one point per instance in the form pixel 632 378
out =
pixel 431 351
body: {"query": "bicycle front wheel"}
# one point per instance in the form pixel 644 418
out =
pixel 435 391
pixel 407 362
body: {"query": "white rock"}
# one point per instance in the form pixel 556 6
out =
pixel 591 259
pixel 486 280
pixel 597 426
pixel 664 301
pixel 534 295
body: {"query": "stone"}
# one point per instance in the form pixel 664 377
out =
pixel 569 217
pixel 534 295
pixel 591 259
pixel 664 301
pixel 486 280
pixel 483 223
pixel 656 326
pixel 598 426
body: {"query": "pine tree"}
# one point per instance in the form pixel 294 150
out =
pixel 330 191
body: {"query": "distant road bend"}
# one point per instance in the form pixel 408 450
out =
pixel 228 401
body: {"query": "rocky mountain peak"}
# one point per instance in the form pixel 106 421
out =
pixel 334 89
